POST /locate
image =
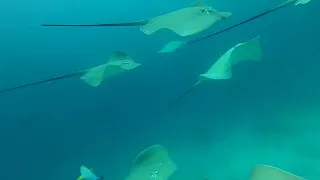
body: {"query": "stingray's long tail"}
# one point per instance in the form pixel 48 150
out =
pixel 138 23
pixel 282 5
pixel 43 81
pixel 183 95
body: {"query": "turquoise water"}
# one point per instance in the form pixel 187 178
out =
pixel 266 114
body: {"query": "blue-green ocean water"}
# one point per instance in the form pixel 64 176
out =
pixel 268 113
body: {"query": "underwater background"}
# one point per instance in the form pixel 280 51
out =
pixel 268 113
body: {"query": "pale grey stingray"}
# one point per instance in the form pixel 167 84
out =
pixel 186 21
pixel 222 68
pixel 118 63
pixel 153 163
pixel 266 172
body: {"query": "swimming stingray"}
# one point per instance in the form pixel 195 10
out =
pixel 266 172
pixel 222 68
pixel 118 63
pixel 174 45
pixel 87 174
pixel 184 22
pixel 152 163
pixel 84 169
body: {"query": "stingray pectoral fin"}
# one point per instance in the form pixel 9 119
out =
pixel 172 46
pixel 199 3
pixel 137 23
pixel 225 15
pixel 94 76
pixel 80 177
pixel 299 2
pixel 250 50
pixel 267 172
pixel 87 174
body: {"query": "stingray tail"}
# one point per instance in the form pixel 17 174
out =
pixel 43 81
pixel 183 95
pixel 280 6
pixel 138 23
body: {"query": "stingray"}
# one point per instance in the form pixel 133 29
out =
pixel 118 63
pixel 266 172
pixel 222 68
pixel 82 169
pixel 174 45
pixel 184 22
pixel 87 174
pixel 152 163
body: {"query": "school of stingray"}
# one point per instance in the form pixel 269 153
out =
pixel 154 163
pixel 187 21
